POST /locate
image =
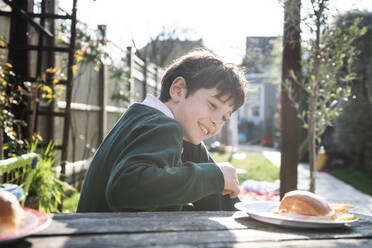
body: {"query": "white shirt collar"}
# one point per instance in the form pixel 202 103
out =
pixel 155 103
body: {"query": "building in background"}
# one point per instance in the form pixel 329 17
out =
pixel 256 119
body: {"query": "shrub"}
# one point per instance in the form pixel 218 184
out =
pixel 46 186
pixel 353 133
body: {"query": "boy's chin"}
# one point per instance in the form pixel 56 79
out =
pixel 193 141
pixel 196 143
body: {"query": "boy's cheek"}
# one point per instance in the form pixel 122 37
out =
pixel 218 130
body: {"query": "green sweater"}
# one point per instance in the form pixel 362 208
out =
pixel 215 202
pixel 138 167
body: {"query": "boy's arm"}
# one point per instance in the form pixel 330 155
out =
pixel 149 173
pixel 215 202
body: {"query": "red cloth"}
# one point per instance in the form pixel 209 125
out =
pixel 245 195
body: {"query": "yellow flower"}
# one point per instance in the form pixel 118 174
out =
pixel 51 70
pixel 47 89
pixel 9 65
pixel 3 43
pixel 74 69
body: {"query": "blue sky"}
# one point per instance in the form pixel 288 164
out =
pixel 223 25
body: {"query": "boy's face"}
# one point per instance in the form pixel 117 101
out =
pixel 201 114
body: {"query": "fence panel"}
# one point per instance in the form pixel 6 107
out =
pixel 85 107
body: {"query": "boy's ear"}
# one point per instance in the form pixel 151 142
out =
pixel 178 89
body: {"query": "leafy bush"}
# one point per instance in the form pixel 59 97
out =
pixel 46 186
pixel 353 133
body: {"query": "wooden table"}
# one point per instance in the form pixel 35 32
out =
pixel 188 229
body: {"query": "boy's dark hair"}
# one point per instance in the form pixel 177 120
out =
pixel 202 69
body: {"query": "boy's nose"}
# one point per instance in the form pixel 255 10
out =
pixel 217 120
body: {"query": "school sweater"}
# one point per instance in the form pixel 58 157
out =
pixel 215 202
pixel 138 167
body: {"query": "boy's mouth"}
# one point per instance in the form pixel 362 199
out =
pixel 204 129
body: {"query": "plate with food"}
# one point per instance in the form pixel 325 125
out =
pixel 17 222
pixel 300 209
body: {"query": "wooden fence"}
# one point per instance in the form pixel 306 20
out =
pixel 94 112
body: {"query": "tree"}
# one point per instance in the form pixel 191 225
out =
pixel 353 133
pixel 328 73
pixel 257 57
pixel 167 46
pixel 361 86
pixel 291 63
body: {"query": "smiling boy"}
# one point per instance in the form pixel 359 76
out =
pixel 138 167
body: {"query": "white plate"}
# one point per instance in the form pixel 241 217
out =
pixel 263 211
pixel 33 222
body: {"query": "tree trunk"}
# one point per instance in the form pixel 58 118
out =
pixel 1 141
pixel 289 122
pixel 312 148
pixel 20 59
pixel 312 132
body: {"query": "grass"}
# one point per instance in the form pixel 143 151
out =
pixel 258 167
pixel 360 180
pixel 70 203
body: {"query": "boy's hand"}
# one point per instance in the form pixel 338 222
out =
pixel 231 179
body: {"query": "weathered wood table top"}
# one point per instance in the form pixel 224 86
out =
pixel 188 229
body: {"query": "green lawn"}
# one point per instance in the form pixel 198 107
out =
pixel 258 167
pixel 361 180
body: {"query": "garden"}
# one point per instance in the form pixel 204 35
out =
pixel 333 92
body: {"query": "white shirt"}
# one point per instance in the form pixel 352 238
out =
pixel 155 103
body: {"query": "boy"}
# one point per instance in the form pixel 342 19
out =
pixel 138 167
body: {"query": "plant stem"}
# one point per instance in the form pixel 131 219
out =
pixel 1 141
pixel 314 96
pixel 311 146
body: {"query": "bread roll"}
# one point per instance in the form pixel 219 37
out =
pixel 303 203
pixel 11 213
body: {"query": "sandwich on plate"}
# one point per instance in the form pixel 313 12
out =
pixel 11 212
pixel 304 205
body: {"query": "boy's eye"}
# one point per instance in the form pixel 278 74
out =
pixel 212 105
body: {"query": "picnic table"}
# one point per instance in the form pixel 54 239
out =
pixel 188 229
